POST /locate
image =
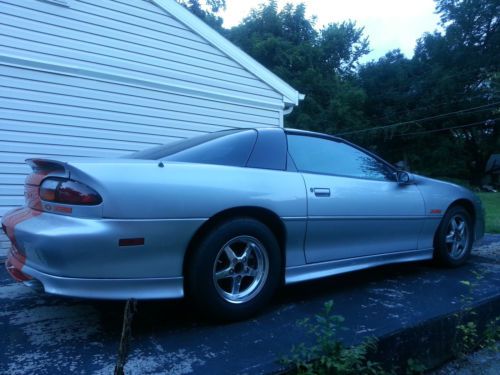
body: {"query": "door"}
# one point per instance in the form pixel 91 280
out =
pixel 355 205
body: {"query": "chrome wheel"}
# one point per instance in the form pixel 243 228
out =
pixel 240 270
pixel 457 236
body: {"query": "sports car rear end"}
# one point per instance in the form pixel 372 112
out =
pixel 65 239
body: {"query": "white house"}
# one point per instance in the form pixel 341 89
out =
pixel 106 77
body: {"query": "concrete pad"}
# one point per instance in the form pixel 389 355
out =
pixel 44 334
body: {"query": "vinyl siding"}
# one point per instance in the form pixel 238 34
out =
pixel 103 78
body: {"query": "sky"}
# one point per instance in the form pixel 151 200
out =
pixel 389 24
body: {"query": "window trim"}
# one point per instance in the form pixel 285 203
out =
pixel 340 140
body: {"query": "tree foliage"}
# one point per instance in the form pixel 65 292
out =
pixel 320 64
pixel 438 110
pixel 446 96
pixel 206 10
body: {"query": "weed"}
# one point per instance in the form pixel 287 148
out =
pixel 415 367
pixel 328 355
pixel 491 335
pixel 468 336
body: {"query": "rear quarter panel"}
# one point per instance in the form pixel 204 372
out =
pixel 183 190
pixel 178 191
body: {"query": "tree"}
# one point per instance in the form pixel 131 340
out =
pixel 206 11
pixel 459 67
pixel 438 110
pixel 342 45
pixel 444 101
pixel 318 63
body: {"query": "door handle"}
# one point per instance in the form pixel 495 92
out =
pixel 321 192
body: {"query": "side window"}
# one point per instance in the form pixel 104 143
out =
pixel 233 150
pixel 320 155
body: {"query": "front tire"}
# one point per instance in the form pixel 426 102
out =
pixel 235 270
pixel 454 237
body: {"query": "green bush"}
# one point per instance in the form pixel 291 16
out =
pixel 328 355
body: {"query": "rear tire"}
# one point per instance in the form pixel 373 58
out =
pixel 454 238
pixel 235 270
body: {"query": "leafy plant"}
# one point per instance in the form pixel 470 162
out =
pixel 414 366
pixel 468 336
pixel 466 339
pixel 492 335
pixel 328 355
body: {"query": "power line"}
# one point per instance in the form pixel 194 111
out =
pixel 458 74
pixel 466 97
pixel 470 110
pixel 452 127
pixel 463 73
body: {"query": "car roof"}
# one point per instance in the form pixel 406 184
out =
pixel 291 131
pixel 306 132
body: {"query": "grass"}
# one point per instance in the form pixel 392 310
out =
pixel 491 204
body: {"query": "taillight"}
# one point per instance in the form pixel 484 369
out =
pixel 68 192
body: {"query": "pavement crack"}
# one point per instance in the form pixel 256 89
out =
pixel 124 347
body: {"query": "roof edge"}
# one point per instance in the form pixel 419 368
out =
pixel 291 96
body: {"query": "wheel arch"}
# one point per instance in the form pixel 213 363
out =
pixel 468 206
pixel 264 215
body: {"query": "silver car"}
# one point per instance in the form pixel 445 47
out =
pixel 226 218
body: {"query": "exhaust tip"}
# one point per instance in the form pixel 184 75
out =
pixel 34 284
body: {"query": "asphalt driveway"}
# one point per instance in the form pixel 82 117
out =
pixel 44 334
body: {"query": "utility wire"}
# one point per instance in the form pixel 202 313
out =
pixel 484 122
pixel 417 120
pixel 435 105
pixel 462 73
pixel 462 111
pixel 430 72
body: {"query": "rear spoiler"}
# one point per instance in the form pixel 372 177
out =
pixel 46 165
pixel 43 167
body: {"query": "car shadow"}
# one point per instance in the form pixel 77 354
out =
pixel 162 316
pixel 179 314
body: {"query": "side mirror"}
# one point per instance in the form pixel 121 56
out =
pixel 404 178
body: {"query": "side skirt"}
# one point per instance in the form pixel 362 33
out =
pixel 325 269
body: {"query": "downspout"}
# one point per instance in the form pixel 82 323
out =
pixel 288 109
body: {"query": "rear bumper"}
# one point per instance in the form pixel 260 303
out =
pixel 14 265
pixel 117 289
pixel 82 257
pixel 120 289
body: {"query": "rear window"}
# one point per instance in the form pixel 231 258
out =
pixel 231 147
